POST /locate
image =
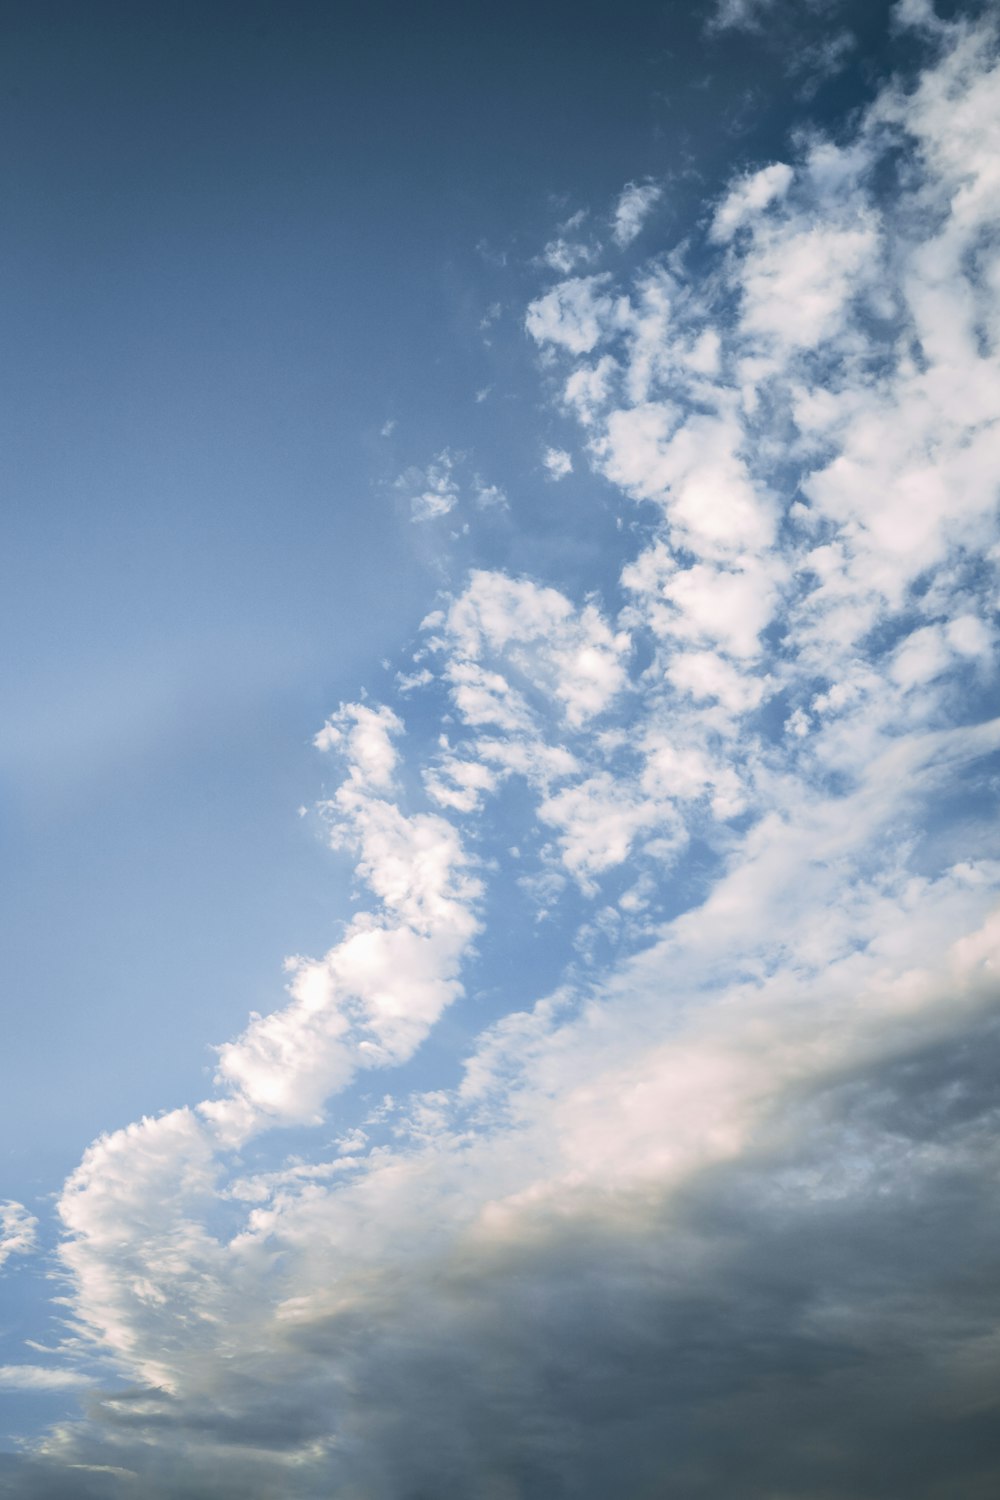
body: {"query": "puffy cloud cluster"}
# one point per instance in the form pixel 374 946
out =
pixel 687 1224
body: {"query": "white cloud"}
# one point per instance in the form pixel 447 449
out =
pixel 588 387
pixel 739 15
pixel 747 199
pixel 433 492
pixel 490 496
pixel 923 656
pixel 136 1248
pixel 707 676
pixel 565 256
pixel 721 606
pixel 558 463
pixel 575 315
pixel 18 1230
pixel 372 998
pixel 408 682
pixel 366 736
pixel 695 470
pixel 571 653
pixel 797 281
pixel 597 821
pixel 41 1378
pixel 636 202
pixel 483 697
pixel 970 636
pixel 460 784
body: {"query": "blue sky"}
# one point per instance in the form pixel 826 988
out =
pixel 500 863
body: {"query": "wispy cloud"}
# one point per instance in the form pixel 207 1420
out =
pixel 739 15
pixel 489 496
pixel 633 208
pixel 18 1230
pixel 433 491
pixel 41 1378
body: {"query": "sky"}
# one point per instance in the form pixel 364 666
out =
pixel 501 880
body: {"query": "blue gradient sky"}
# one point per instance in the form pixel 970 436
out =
pixel 240 240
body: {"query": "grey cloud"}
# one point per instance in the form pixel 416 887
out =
pixel 810 1321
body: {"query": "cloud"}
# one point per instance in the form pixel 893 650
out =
pixel 681 1216
pixel 749 198
pixel 558 463
pixel 739 15
pixel 565 256
pixel 575 315
pixel 634 206
pixel 371 999
pixel 18 1230
pixel 432 492
pixel 490 496
pixel 587 388
pixel 571 653
pixel 367 736
pixel 41 1378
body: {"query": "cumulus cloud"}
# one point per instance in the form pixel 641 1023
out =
pixel 18 1230
pixel 575 315
pixel 372 998
pixel 715 1200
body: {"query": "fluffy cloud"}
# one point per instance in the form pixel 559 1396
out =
pixel 373 997
pixel 18 1230
pixel 749 198
pixel 558 463
pixel 575 315
pixel 539 634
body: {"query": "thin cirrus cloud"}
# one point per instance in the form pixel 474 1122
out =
pixel 688 1219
